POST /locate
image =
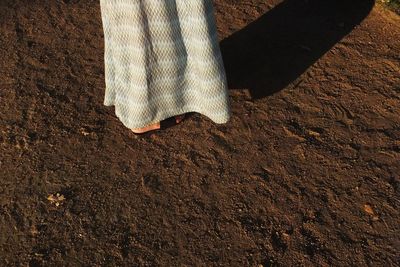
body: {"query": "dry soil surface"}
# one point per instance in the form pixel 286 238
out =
pixel 306 173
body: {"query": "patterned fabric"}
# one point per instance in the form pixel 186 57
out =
pixel 162 58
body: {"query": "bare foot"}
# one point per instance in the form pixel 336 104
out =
pixel 151 127
pixel 179 118
pixel 156 125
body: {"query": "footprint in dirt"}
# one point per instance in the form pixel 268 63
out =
pixel 152 183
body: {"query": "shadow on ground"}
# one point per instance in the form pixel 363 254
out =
pixel 278 47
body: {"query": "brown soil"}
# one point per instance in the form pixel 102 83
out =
pixel 305 173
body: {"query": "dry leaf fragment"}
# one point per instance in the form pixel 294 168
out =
pixel 56 199
pixel 85 133
pixel 368 209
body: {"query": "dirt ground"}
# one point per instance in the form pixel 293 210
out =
pixel 306 173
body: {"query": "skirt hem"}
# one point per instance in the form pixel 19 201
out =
pixel 220 120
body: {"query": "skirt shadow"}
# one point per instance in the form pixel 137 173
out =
pixel 275 49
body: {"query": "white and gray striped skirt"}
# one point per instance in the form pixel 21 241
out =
pixel 162 58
